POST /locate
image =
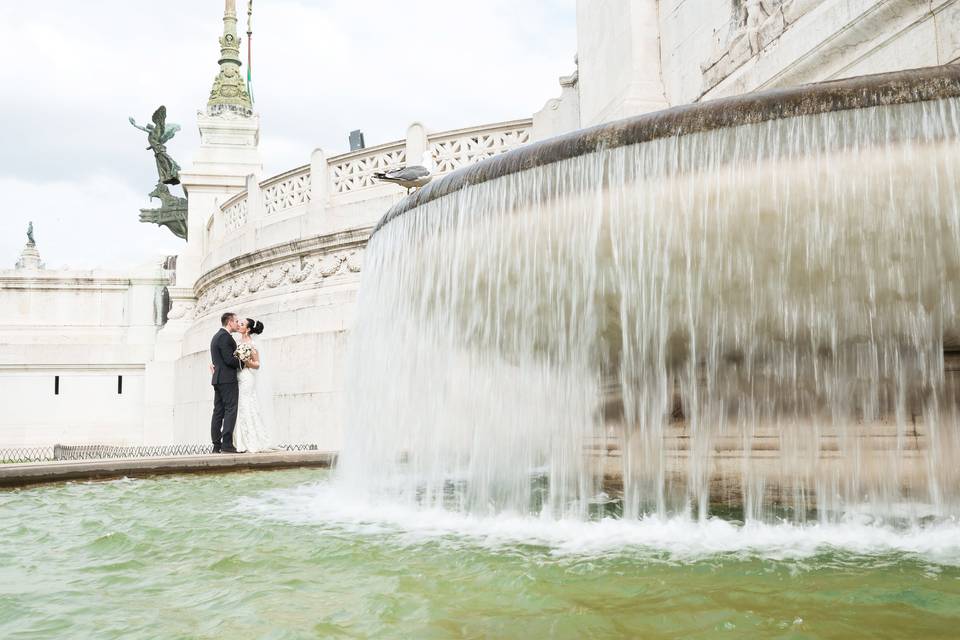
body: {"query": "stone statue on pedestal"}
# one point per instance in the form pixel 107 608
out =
pixel 30 257
pixel 172 212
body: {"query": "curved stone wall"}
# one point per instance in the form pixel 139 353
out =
pixel 289 251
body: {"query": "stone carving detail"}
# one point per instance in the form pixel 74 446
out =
pixel 229 92
pixel 296 270
pixel 357 173
pixel 172 212
pixel 235 216
pixel 301 272
pixel 180 309
pixel 355 262
pixel 453 153
pixel 238 288
pixel 292 192
pixel 754 26
pixel 256 281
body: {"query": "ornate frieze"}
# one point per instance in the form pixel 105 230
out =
pixel 754 26
pixel 293 266
pixel 180 309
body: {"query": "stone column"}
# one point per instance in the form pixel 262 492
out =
pixel 417 142
pixel 319 180
pixel 255 209
pixel 618 51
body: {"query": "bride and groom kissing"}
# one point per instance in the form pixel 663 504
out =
pixel 241 400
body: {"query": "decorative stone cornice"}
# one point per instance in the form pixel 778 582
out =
pixel 290 266
pixel 65 281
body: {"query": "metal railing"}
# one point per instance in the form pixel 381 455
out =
pixel 61 452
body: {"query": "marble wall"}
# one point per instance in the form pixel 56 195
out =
pixel 636 56
pixel 73 351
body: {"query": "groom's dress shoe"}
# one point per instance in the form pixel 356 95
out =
pixel 229 450
pixel 216 449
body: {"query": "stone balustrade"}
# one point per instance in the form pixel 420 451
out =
pixel 354 171
pixel 347 179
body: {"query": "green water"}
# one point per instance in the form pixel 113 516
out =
pixel 202 557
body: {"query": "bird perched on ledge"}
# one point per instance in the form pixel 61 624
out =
pixel 410 177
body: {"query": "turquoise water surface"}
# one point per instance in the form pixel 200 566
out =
pixel 288 554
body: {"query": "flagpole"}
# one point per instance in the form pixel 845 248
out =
pixel 250 49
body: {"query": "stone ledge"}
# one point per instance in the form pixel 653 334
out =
pixel 20 475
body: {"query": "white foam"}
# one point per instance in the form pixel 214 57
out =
pixel 672 539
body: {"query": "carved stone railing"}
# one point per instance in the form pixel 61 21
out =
pixel 236 211
pixel 287 190
pixel 454 149
pixel 347 174
pixel 353 171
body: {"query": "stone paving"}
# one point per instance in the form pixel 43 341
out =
pixel 18 475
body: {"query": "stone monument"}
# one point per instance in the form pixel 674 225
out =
pixel 229 91
pixel 30 257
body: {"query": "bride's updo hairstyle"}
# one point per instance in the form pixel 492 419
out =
pixel 255 326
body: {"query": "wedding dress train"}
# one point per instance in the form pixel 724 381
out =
pixel 251 434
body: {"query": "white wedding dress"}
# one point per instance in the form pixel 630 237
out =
pixel 252 432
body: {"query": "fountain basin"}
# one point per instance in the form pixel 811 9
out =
pixel 747 300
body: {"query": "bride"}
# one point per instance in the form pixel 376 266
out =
pixel 252 433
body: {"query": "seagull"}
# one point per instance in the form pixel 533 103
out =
pixel 410 177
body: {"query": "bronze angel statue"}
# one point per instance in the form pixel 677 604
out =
pixel 158 133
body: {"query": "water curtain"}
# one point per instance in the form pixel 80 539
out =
pixel 749 302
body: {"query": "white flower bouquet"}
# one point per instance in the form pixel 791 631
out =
pixel 243 352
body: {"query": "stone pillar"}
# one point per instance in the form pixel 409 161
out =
pixel 417 143
pixel 319 180
pixel 618 51
pixel 255 209
pixel 318 221
pixel 228 154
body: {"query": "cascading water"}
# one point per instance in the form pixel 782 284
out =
pixel 753 314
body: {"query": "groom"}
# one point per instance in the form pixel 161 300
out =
pixel 225 391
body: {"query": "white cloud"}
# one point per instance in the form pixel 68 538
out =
pixel 74 71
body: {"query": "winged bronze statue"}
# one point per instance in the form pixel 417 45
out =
pixel 158 134
pixel 172 212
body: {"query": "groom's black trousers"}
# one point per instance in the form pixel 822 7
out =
pixel 225 398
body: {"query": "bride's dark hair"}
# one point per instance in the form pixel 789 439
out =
pixel 255 326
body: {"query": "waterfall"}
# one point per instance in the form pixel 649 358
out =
pixel 752 315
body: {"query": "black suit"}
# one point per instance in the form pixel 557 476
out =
pixel 225 391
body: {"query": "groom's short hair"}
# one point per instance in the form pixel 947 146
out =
pixel 225 318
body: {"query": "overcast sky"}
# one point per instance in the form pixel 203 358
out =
pixel 74 71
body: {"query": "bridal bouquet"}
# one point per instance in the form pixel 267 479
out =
pixel 244 352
